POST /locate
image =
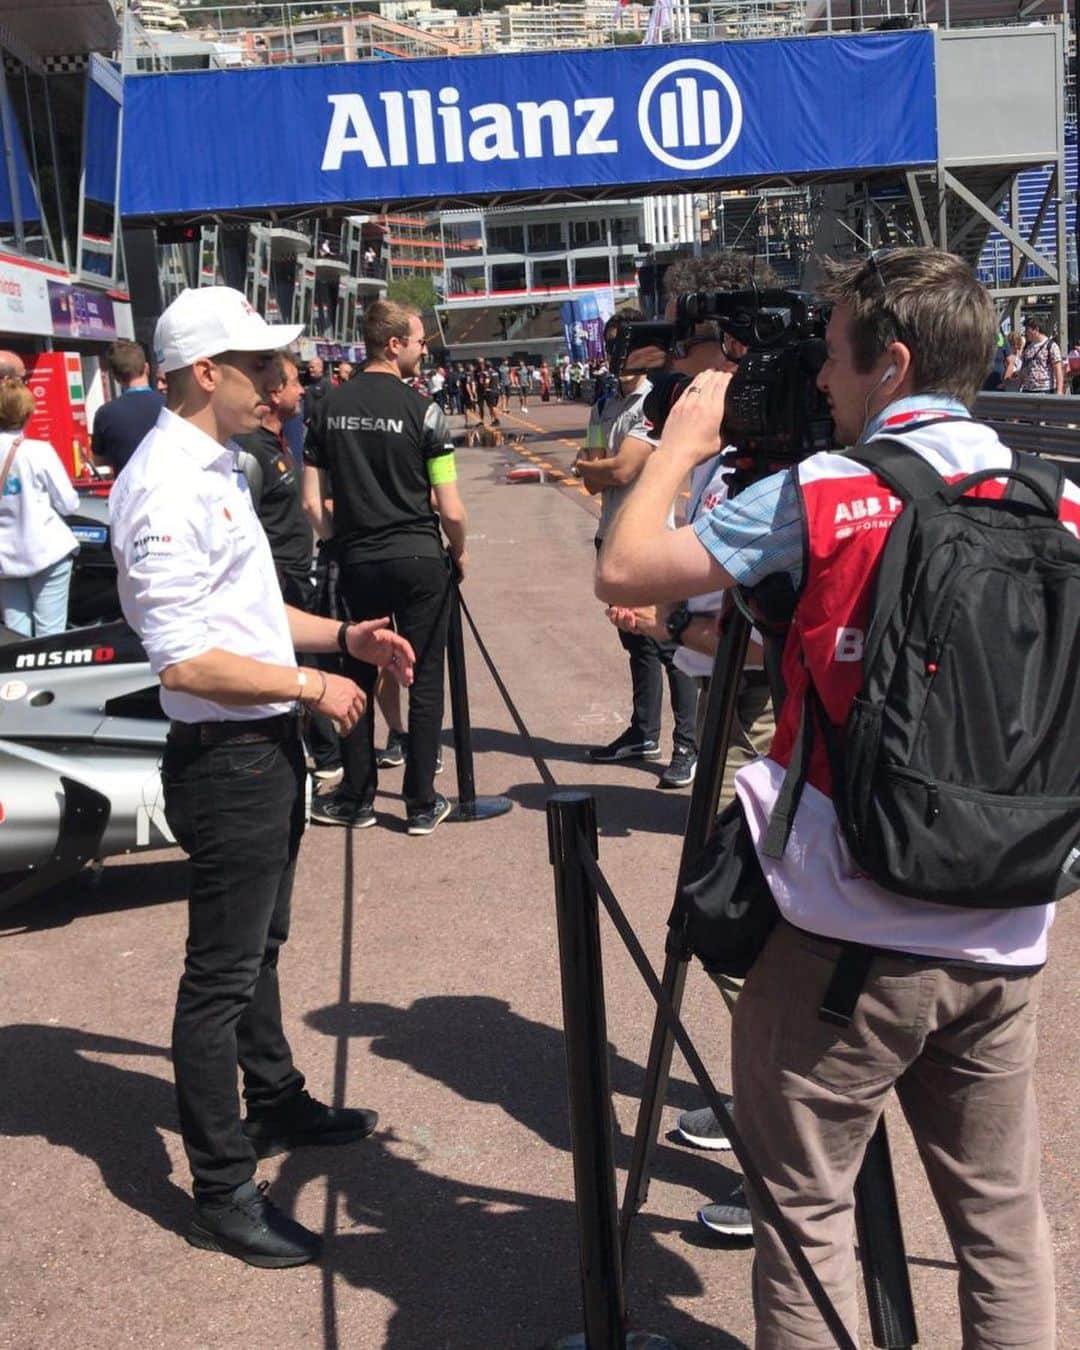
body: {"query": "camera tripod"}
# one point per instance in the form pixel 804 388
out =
pixel 881 1240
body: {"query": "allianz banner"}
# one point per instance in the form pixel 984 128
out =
pixel 378 131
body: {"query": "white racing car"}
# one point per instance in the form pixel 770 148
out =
pixel 81 737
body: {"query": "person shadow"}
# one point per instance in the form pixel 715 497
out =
pixel 159 880
pixel 484 1051
pixel 113 1116
pixel 470 1265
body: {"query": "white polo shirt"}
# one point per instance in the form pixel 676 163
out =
pixel 194 565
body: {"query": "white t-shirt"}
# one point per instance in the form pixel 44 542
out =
pixel 37 494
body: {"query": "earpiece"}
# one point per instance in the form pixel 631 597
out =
pixel 889 373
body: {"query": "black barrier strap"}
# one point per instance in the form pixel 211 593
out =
pixel 546 776
pixel 764 1196
pixel 821 1299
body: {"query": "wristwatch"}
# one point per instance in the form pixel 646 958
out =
pixel 677 621
pixel 343 637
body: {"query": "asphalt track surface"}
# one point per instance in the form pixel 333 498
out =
pixel 421 979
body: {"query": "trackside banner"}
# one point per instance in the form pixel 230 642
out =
pixel 384 130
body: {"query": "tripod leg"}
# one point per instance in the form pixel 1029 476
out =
pixel 657 1073
pixel 715 738
pixel 881 1248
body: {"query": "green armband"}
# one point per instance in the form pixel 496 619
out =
pixel 442 469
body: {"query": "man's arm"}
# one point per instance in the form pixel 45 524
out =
pixel 454 520
pixel 619 469
pixel 372 641
pixel 641 560
pixel 315 493
pixel 1059 373
pixel 240 681
pixel 438 448
pixel 317 487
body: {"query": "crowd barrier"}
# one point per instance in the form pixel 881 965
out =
pixel 1046 424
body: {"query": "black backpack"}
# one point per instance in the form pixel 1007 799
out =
pixel 956 778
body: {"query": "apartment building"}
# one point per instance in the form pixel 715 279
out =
pixel 508 270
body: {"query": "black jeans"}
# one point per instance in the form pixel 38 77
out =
pixel 237 810
pixel 649 660
pixel 415 592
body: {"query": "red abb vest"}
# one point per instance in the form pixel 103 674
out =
pixel 847 512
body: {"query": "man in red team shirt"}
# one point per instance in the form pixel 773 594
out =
pixel 947 1012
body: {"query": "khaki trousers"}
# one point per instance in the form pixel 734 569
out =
pixel 958 1045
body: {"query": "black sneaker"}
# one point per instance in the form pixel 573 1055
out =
pixel 249 1226
pixel 303 1120
pixel 680 772
pixel 332 808
pixel 627 746
pixel 393 757
pixel 425 821
pixel 702 1129
pixel 730 1217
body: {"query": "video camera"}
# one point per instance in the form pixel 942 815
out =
pixel 632 337
pixel 774 413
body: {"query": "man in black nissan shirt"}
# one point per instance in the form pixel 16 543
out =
pixel 383 453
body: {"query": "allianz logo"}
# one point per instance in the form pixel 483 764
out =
pixel 689 116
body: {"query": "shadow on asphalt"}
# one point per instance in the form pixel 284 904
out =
pixel 468 1265
pixel 111 891
pixel 621 808
pixel 522 1070
pixel 493 740
pixel 111 1115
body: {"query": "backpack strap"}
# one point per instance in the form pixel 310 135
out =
pixel 910 477
pixel 9 459
pixel 1037 473
pixel 904 469
pixel 848 979
pixel 787 803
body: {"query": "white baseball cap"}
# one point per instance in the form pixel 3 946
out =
pixel 209 320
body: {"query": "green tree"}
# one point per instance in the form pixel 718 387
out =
pixel 416 291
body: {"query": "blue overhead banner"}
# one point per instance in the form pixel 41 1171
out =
pixel 378 131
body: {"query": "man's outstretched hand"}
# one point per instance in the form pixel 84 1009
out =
pixel 376 643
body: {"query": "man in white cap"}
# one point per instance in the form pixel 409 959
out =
pixel 197 583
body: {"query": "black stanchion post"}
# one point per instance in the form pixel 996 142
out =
pixel 571 822
pixel 469 805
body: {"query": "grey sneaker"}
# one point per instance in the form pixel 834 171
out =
pixel 730 1217
pixel 680 772
pixel 627 746
pixel 425 821
pixel 702 1129
pixel 393 757
pixel 331 808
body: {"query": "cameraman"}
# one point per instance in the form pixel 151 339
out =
pixel 947 1010
pixel 693 625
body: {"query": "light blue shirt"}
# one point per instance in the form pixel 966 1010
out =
pixel 760 531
